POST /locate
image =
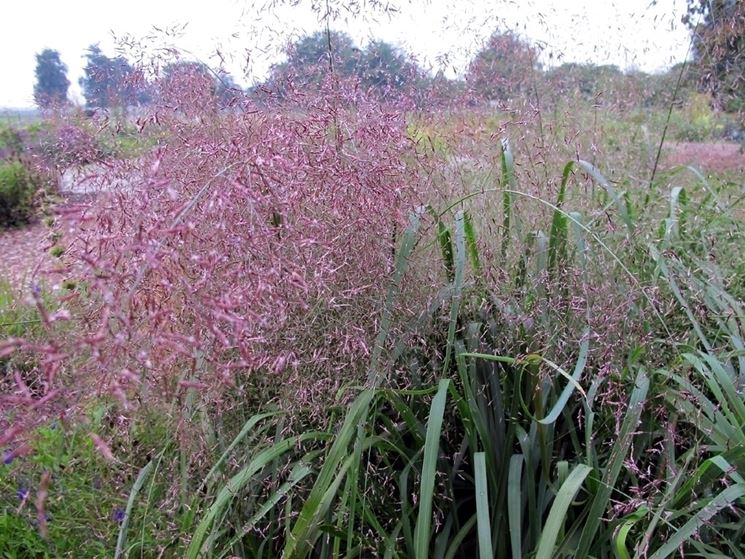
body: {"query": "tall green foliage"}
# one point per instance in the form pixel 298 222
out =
pixel 17 191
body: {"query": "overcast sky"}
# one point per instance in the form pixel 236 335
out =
pixel 249 36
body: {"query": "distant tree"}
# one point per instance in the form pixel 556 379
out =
pixel 313 57
pixel 442 92
pixel 718 28
pixel 587 80
pixel 387 69
pixel 598 83
pixel 659 88
pixel 51 79
pixel 503 68
pixel 188 86
pixel 381 67
pixel 109 82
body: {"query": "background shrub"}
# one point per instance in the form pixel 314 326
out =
pixel 11 142
pixel 696 121
pixel 70 145
pixel 17 190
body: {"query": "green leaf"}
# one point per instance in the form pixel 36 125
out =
pixel 557 515
pixel 446 249
pixel 557 243
pixel 619 540
pixel 619 200
pixel 514 503
pixel 471 245
pixel 508 184
pixel 460 264
pixel 482 506
pixel 238 482
pixel 121 540
pixel 699 520
pixel 618 454
pixel 422 532
pixel 304 532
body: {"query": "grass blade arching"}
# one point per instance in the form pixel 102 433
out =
pixel 694 524
pixel 618 454
pixel 121 540
pixel 559 508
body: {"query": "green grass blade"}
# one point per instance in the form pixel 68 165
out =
pixel 471 245
pixel 248 428
pixel 401 265
pixel 711 471
pixel 514 504
pixel 618 199
pixel 299 472
pixel 557 243
pixel 573 381
pixel 121 540
pixel 675 289
pixel 676 217
pixel 723 384
pixel 446 249
pixel 699 520
pixel 615 463
pixel 238 482
pixel 454 548
pixel 619 540
pixel 460 265
pixel 422 532
pixel 482 506
pixel 304 533
pixel 559 508
pixel 508 184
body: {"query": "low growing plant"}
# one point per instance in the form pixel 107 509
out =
pixel 17 193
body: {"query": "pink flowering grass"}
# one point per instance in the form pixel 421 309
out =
pixel 259 241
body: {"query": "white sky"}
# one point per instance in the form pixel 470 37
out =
pixel 643 34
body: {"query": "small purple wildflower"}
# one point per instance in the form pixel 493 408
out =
pixel 22 493
pixel 8 457
pixel 118 515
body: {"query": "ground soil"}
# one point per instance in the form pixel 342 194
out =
pixel 713 157
pixel 24 251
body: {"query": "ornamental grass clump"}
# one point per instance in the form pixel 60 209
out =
pixel 248 244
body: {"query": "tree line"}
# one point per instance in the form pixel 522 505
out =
pixel 507 66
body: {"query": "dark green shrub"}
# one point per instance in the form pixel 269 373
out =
pixel 17 189
pixel 11 142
